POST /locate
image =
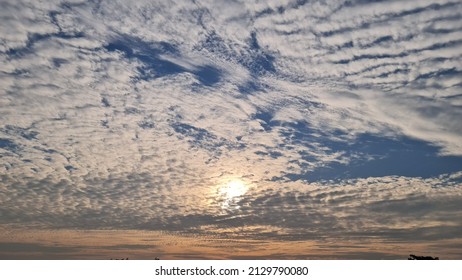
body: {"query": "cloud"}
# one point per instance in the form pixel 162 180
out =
pixel 300 211
pixel 121 115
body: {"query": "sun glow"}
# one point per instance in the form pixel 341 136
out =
pixel 234 188
pixel 231 192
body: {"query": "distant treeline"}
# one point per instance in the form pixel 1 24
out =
pixel 414 257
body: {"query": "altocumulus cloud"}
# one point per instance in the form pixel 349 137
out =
pixel 338 114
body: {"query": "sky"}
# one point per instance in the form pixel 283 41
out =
pixel 325 129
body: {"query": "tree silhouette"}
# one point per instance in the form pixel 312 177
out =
pixel 414 257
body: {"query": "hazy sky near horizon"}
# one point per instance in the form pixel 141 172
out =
pixel 291 121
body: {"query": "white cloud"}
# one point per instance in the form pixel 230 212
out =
pixel 113 148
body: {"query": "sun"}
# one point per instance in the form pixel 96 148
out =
pixel 234 189
pixel 230 193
